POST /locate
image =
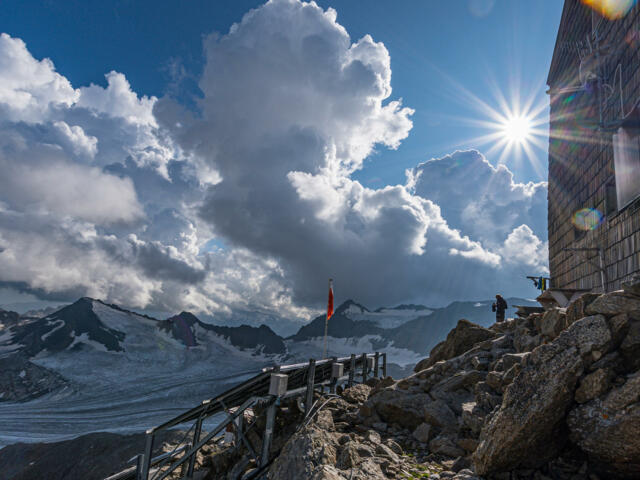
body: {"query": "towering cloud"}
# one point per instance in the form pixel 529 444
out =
pixel 248 201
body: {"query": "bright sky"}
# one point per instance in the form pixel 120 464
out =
pixel 437 48
pixel 275 157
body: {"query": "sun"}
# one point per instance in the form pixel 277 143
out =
pixel 517 129
pixel 506 125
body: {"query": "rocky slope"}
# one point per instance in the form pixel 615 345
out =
pixel 555 395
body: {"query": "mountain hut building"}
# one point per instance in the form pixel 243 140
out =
pixel 594 150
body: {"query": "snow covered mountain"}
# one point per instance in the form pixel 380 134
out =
pixel 92 324
pixel 407 332
pixel 93 366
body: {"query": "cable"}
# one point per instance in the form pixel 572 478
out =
pixel 313 414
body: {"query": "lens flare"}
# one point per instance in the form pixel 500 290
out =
pixel 587 219
pixel 611 9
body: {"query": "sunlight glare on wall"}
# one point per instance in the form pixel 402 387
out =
pixel 611 9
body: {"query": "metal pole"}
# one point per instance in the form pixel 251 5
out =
pixel 268 433
pixel 326 323
pixel 143 473
pixel 334 381
pixel 375 365
pixel 311 377
pixel 384 365
pixel 139 462
pixel 196 438
pixel 352 369
pixel 364 368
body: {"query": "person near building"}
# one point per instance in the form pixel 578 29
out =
pixel 499 306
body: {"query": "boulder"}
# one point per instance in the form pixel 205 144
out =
pixel 527 429
pixel 593 385
pixel 511 359
pixel 307 450
pixel 607 429
pixel 385 452
pixel 553 322
pixel 494 380
pixel 630 346
pixel 526 343
pixel 357 394
pixel 576 309
pixel 327 472
pixel 438 414
pixel 619 326
pixel 397 406
pixel 510 375
pixel 422 433
pixel 472 418
pixel 467 444
pixel 613 303
pixel 460 380
pixel 592 337
pixel 445 444
pixel 459 340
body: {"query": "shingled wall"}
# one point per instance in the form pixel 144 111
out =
pixel 581 165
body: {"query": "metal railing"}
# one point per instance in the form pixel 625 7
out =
pixel 266 388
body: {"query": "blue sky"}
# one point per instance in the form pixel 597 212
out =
pixel 475 43
pixel 161 160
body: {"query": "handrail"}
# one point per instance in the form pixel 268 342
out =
pixel 302 380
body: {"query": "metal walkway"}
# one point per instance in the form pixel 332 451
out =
pixel 268 388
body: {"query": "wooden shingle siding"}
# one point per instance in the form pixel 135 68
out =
pixel 581 160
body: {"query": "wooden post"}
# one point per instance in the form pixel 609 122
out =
pixel 268 433
pixel 311 378
pixel 196 439
pixel 364 368
pixel 143 472
pixel 352 369
pixel 384 365
pixel 375 365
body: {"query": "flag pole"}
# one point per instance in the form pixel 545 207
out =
pixel 329 313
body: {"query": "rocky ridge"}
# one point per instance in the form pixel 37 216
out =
pixel 555 395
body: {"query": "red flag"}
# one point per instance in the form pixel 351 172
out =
pixel 330 302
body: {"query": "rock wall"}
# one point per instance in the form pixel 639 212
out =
pixel 555 395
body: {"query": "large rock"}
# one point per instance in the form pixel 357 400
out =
pixel 527 430
pixel 445 444
pixel 630 347
pixel 608 430
pixel 553 322
pixel 357 394
pixel 422 433
pixel 613 303
pixel 577 309
pixel 307 452
pixel 593 385
pixel 439 415
pixel 397 406
pixel 459 340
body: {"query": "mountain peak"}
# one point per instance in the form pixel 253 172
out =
pixel 351 306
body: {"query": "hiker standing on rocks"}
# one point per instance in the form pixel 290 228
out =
pixel 499 306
